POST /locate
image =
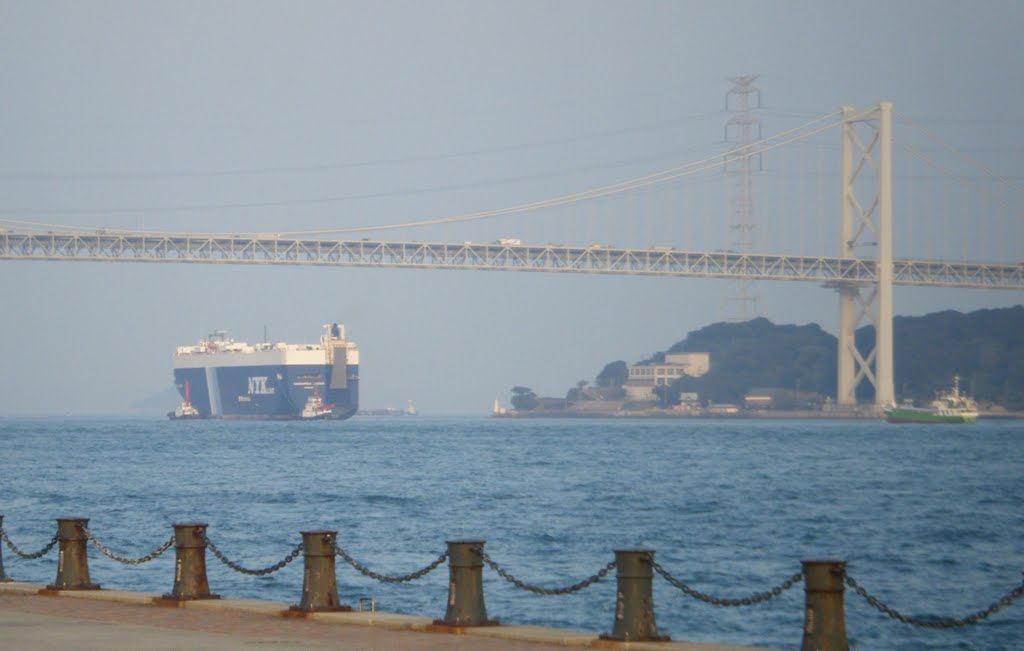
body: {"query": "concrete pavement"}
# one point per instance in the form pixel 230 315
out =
pixel 112 620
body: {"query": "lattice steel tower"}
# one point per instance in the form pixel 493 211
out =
pixel 741 130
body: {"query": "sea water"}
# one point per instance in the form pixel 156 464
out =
pixel 929 518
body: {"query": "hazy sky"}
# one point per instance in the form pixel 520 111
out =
pixel 277 116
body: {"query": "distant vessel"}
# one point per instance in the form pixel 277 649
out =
pixel 410 410
pixel 222 378
pixel 949 406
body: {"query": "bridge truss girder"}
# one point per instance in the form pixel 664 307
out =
pixel 851 273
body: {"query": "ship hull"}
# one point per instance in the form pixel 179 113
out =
pixel 928 416
pixel 268 392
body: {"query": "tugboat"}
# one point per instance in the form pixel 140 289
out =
pixel 185 410
pixel 315 409
pixel 949 406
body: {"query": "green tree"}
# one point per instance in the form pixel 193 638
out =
pixel 613 375
pixel 664 393
pixel 524 399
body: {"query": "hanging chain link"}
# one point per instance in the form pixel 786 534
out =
pixel 39 554
pixel 760 597
pixel 122 559
pixel 241 570
pixel 936 623
pixel 589 581
pixel 362 569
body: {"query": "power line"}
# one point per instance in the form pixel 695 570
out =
pixel 302 169
pixel 563 172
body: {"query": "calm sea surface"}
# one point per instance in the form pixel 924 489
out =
pixel 930 518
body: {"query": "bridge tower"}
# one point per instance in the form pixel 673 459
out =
pixel 866 189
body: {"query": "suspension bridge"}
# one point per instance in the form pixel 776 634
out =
pixel 863 271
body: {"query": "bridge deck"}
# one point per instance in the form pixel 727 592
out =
pixel 263 250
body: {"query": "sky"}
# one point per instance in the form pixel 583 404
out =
pixel 265 116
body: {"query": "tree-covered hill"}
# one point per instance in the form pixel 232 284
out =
pixel 986 348
pixel 757 354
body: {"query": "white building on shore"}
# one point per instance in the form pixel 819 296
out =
pixel 643 378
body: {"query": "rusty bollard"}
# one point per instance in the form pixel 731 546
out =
pixel 465 585
pixel 319 582
pixel 3 577
pixel 72 562
pixel 634 606
pixel 824 621
pixel 190 563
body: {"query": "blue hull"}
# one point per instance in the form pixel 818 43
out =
pixel 267 392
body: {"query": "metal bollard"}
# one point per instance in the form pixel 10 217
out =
pixel 319 583
pixel 3 577
pixel 72 563
pixel 634 607
pixel 824 621
pixel 190 563
pixel 465 585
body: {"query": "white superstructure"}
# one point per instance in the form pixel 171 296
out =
pixel 219 350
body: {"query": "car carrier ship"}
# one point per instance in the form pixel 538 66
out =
pixel 223 378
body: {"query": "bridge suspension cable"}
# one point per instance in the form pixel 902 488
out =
pixel 801 132
pixel 962 181
pixel 963 155
pixel 965 182
pixel 708 163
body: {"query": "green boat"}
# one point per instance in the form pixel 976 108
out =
pixel 949 406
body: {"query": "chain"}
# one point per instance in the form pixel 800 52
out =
pixel 362 569
pixel 39 554
pixel 717 601
pixel 936 623
pixel 589 581
pixel 121 559
pixel 263 572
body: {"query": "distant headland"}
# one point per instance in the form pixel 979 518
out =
pixel 758 369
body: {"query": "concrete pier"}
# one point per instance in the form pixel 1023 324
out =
pixel 114 620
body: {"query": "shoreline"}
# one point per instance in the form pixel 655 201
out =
pixel 665 414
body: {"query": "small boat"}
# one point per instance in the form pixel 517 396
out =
pixel 315 408
pixel 185 410
pixel 949 406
